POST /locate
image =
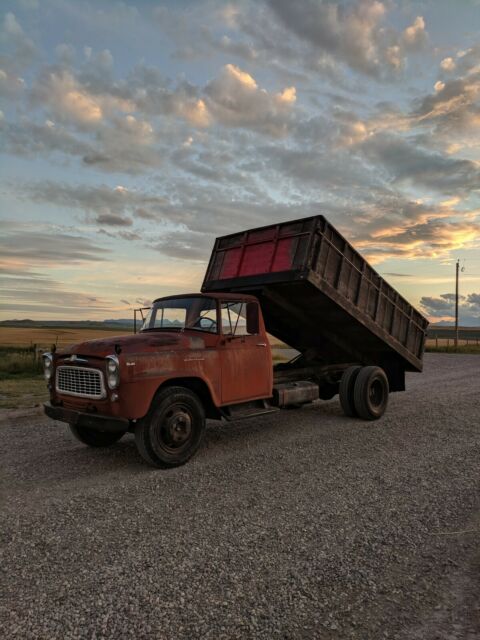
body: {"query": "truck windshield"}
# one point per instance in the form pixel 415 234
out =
pixel 182 313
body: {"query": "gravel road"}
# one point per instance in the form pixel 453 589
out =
pixel 304 524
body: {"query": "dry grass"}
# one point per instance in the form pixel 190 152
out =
pixel 448 342
pixel 22 392
pixel 444 348
pixel 44 337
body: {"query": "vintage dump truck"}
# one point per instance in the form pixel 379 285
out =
pixel 208 355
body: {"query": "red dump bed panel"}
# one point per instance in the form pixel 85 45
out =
pixel 316 290
pixel 270 250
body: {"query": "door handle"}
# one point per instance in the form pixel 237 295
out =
pixel 261 344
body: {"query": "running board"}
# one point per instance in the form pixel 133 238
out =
pixel 247 410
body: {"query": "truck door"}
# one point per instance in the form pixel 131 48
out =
pixel 245 357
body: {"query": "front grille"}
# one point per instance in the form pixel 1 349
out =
pixel 80 381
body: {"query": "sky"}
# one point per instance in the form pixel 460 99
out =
pixel 134 133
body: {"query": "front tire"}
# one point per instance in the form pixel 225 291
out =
pixel 371 393
pixel 96 439
pixel 173 429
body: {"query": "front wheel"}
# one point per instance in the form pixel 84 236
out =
pixel 370 393
pixel 173 429
pixel 97 439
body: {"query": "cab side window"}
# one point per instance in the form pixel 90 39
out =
pixel 239 318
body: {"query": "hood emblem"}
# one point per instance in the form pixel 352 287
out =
pixel 75 358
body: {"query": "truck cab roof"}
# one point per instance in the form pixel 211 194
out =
pixel 216 296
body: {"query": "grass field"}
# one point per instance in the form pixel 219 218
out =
pixel 44 337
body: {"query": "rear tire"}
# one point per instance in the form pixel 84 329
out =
pixel 173 429
pixel 371 393
pixel 97 439
pixel 347 385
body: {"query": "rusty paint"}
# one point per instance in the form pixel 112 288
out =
pixel 234 369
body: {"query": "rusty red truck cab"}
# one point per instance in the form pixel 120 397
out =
pixel 212 346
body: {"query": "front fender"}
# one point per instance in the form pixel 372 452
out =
pixel 135 397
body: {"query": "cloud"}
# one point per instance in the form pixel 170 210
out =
pixel 352 33
pixel 31 296
pixel 20 49
pixel 409 163
pixel 28 250
pixel 444 307
pixel 18 53
pixel 448 64
pixel 433 239
pixel 27 138
pixel 232 99
pixel 113 219
pixel 24 247
pixel 67 100
pixel 108 206
pixel 415 36
pixel 451 113
pixel 394 274
pixel 10 84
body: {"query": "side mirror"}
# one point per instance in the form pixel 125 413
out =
pixel 252 318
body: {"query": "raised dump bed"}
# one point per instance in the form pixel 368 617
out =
pixel 320 296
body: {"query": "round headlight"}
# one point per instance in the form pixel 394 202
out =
pixel 113 372
pixel 47 366
pixel 112 381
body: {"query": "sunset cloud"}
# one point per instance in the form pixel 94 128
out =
pixel 235 99
pixel 443 306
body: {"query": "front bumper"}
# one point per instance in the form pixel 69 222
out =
pixel 92 421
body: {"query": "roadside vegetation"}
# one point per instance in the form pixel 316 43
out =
pixel 450 348
pixel 19 362
pixel 21 379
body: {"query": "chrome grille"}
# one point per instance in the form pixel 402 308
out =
pixel 80 381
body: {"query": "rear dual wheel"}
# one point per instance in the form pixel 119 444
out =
pixel 364 392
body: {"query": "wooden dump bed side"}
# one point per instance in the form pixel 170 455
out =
pixel 318 294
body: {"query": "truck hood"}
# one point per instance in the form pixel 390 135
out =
pixel 139 342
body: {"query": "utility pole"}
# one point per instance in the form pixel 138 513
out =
pixel 457 268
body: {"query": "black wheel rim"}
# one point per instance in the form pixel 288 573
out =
pixel 175 430
pixel 376 393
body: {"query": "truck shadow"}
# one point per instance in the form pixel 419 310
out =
pixel 63 459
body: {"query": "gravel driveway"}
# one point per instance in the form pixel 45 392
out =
pixel 304 524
